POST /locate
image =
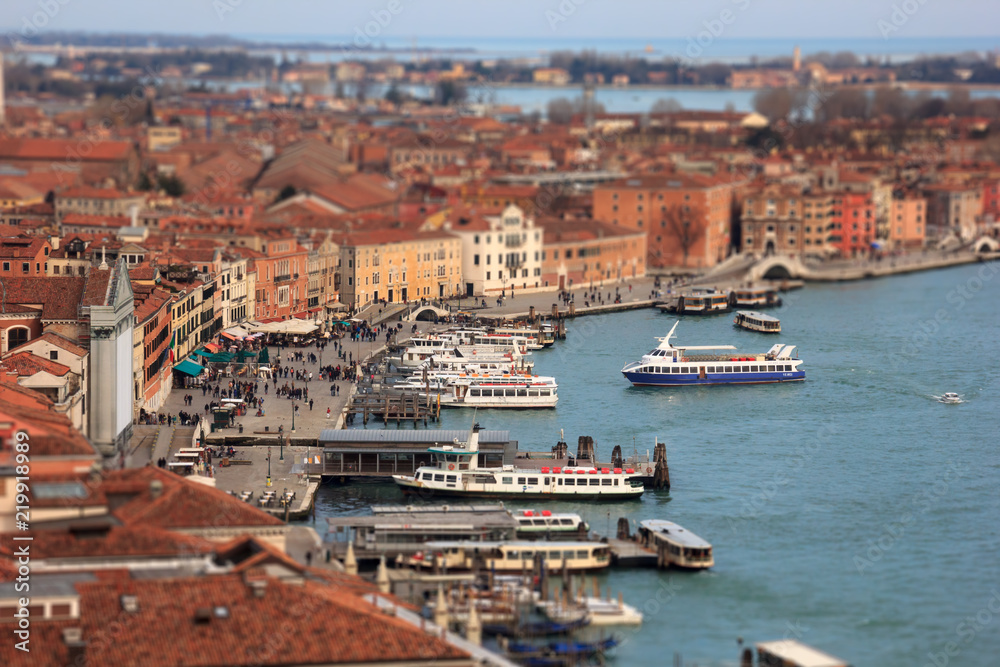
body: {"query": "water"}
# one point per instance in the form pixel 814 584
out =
pixel 796 486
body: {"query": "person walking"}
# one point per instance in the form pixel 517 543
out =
pixel 328 413
pixel 310 405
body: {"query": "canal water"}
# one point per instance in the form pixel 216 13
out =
pixel 852 511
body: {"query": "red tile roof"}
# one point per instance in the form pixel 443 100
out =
pixel 182 504
pixel 218 620
pixel 52 434
pixel 116 542
pixel 59 150
pixel 58 297
pixel 26 364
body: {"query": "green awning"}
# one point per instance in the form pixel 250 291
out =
pixel 189 367
pixel 263 357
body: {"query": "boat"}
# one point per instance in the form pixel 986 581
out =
pixel 535 628
pixel 455 471
pixel 598 611
pixel 793 653
pixel 545 524
pixel 513 556
pixel 950 398
pixel 751 320
pixel 558 653
pixel 679 365
pixel 500 391
pixel 675 546
pixel 756 297
pixel 698 302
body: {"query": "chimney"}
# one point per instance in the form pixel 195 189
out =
pixel 155 489
pixel 104 259
pixel 258 587
pixel 76 648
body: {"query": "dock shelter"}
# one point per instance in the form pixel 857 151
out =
pixel 383 452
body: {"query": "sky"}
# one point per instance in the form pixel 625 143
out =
pixel 559 19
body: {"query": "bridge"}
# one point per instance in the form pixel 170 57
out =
pixel 426 313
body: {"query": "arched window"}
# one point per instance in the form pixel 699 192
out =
pixel 17 336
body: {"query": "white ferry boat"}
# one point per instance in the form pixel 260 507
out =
pixel 532 523
pixel 455 472
pixel 500 391
pixel 751 320
pixel 699 303
pixel 674 545
pixel 515 556
pixel 757 297
pixel 679 365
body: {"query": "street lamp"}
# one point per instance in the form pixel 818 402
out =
pixel 281 450
pixel 293 416
pixel 269 466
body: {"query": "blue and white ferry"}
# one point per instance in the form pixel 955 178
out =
pixel 676 365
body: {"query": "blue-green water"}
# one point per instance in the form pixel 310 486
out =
pixel 852 511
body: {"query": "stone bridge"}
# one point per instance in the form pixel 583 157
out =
pixel 778 267
pixel 426 314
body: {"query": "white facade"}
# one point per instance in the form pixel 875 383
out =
pixel 505 255
pixel 234 291
pixel 111 344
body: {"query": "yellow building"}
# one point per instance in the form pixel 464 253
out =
pixel 399 265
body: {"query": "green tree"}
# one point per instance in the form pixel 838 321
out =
pixel 170 184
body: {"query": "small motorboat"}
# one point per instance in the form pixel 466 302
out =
pixel 949 397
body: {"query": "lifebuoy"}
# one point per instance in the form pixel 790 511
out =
pixel 648 470
pixel 451 466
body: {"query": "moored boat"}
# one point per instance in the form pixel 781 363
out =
pixel 756 297
pixel 751 320
pixel 455 471
pixel 515 556
pixel 678 365
pixel 675 546
pixel 699 302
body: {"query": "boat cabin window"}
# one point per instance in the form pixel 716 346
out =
pixel 538 522
pixel 438 478
pixel 616 481
pixel 532 392
pixel 570 481
pixel 532 480
pixel 475 392
pixel 753 369
pixel 582 553
pixel 746 369
pixel 451 478
pixel 508 480
pixel 522 392
pixel 545 480
pixel 606 481
pixel 546 392
pixel 595 482
pixel 510 392
pixel 560 481
pixel 521 481
pixel 566 522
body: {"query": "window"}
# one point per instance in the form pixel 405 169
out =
pixel 17 336
pixel 25 267
pixel 532 480
pixel 570 481
pixel 54 355
pixel 521 481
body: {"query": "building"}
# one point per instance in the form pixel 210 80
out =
pixel 56 368
pixel 281 281
pixel 854 223
pixel 86 160
pixel 953 209
pixel 236 288
pixel 98 201
pixel 108 308
pixel 907 221
pixel 161 138
pixel 578 252
pixel 33 306
pixel 398 265
pixel 24 256
pixel 550 76
pixel 152 378
pixel 686 217
pixel 499 252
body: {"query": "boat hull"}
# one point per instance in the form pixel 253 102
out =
pixel 411 487
pixel 675 380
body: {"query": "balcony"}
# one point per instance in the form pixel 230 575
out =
pixel 283 278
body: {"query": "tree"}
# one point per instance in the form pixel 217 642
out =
pixel 684 224
pixel 559 111
pixel 145 183
pixel 666 105
pixel 170 184
pixel 394 95
pixel 449 92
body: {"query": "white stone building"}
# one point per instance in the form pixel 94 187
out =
pixel 499 253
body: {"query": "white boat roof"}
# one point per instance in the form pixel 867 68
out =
pixel 798 654
pixel 534 545
pixel 676 533
pixel 757 315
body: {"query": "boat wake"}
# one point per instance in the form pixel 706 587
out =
pixel 949 398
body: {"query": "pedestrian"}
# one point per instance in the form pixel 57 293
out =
pixel 328 413
pixel 310 405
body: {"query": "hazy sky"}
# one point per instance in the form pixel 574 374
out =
pixel 642 19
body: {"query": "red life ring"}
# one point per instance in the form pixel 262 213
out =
pixel 451 466
pixel 648 470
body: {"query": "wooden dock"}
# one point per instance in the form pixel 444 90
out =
pixel 387 408
pixel 627 553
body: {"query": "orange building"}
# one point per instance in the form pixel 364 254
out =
pixel 282 277
pixel 152 324
pixel 24 256
pixel 579 252
pixel 686 217
pixel 908 222
pixel 854 223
